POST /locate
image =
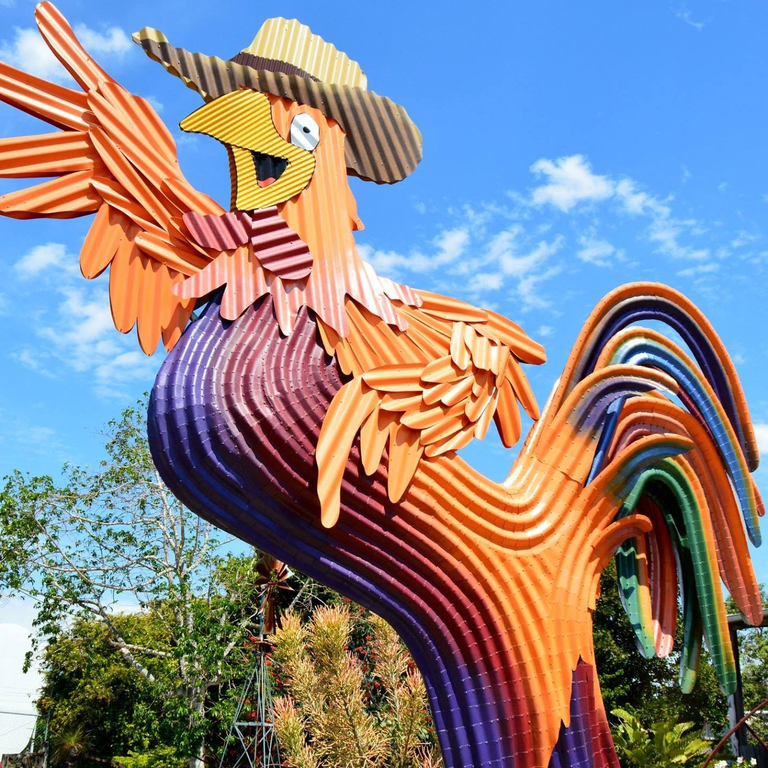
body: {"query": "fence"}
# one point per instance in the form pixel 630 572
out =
pixel 23 741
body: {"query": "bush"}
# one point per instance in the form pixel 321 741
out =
pixel 160 757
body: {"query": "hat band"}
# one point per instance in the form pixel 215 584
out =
pixel 271 65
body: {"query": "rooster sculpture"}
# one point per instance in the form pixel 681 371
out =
pixel 315 409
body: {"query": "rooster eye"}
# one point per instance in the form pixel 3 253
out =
pixel 304 132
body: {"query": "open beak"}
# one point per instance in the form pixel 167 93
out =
pixel 266 168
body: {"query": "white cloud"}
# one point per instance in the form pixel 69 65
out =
pixel 544 331
pixel 121 369
pixel 744 238
pixel 28 51
pixel 83 338
pixel 504 250
pixel 30 359
pixel 666 232
pixel 685 16
pixel 485 281
pixel 635 201
pixel 478 259
pixel 155 103
pixel 42 258
pixel 596 251
pixel 86 322
pixel 449 244
pixel 528 290
pixel 78 332
pixel 761 433
pixel 699 269
pixel 110 40
pixel 569 181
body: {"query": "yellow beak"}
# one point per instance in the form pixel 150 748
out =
pixel 266 168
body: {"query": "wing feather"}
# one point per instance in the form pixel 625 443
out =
pixel 61 107
pixel 102 241
pixel 113 156
pixel 445 378
pixel 66 197
pixel 60 38
pixel 48 154
pixel 126 277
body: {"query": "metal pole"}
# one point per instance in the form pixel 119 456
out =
pixel 736 702
pixel 45 739
pixel 734 728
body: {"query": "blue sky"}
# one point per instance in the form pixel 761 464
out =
pixel 569 148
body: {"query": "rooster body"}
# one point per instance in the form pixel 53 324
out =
pixel 300 348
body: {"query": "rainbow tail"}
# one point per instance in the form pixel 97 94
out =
pixel 695 500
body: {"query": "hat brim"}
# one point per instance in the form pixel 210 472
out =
pixel 382 142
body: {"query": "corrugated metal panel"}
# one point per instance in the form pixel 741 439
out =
pixel 261 62
pixel 294 42
pixel 459 391
pixel 64 198
pixel 383 144
pixel 243 122
pixel 102 241
pixel 117 137
pixel 223 232
pixel 495 582
pixel 277 247
pixel 49 154
pixel 55 104
pixel 67 49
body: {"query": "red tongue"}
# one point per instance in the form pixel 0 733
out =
pixel 266 182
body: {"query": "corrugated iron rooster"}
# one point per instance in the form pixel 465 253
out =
pixel 643 451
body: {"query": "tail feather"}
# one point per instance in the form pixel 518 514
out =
pixel 636 302
pixel 696 501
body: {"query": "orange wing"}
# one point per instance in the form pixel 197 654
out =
pixel 113 157
pixel 423 392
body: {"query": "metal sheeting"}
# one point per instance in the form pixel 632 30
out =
pixel 114 157
pixel 492 585
pixel 277 247
pixel 383 144
pixel 242 120
pixel 290 40
pixel 418 399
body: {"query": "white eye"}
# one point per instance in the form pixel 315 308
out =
pixel 304 132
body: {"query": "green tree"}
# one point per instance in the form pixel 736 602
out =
pixel 87 684
pixel 753 652
pixel 92 541
pixel 649 687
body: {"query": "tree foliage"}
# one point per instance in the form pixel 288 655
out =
pixel 662 745
pixel 649 688
pixel 88 684
pixel 93 542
